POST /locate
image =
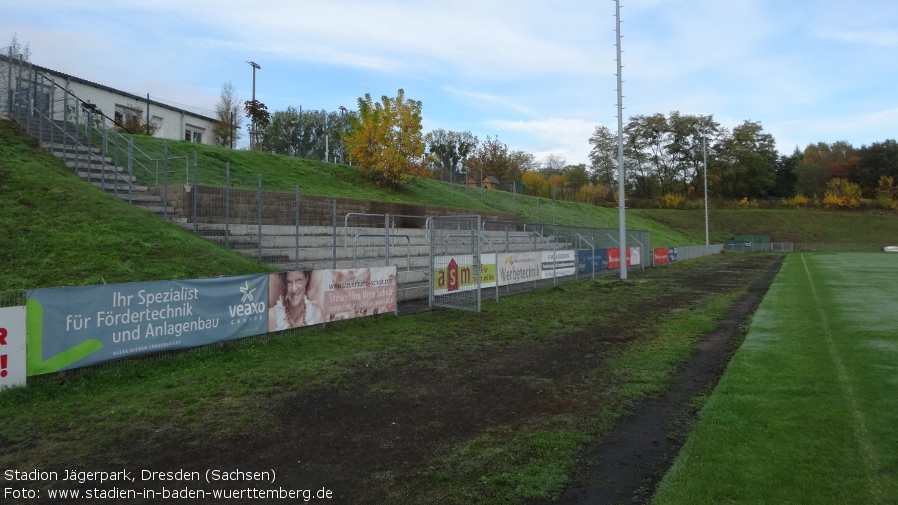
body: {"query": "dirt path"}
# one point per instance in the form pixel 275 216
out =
pixel 639 450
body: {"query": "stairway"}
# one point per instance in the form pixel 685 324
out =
pixel 63 140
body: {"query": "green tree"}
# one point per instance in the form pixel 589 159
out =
pixel 493 158
pixel 877 160
pixel 451 149
pixel 603 157
pixel 786 174
pixel 259 117
pixel 386 140
pixel 226 131
pixel 745 163
pixel 283 134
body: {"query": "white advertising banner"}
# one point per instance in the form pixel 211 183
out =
pixel 12 347
pixel 513 268
pixel 558 263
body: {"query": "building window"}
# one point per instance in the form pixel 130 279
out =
pixel 127 117
pixel 157 125
pixel 193 134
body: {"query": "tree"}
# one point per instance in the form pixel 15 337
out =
pixel 745 163
pixel 522 161
pixel 841 194
pixel 535 183
pixel 315 134
pixel 18 51
pixel 493 158
pixel 259 118
pixel 451 149
pixel 785 174
pixel 225 131
pixel 878 159
pixel 135 123
pixel 283 134
pixel 603 157
pixel 553 164
pixel 386 140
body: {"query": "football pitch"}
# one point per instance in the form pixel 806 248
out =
pixel 807 410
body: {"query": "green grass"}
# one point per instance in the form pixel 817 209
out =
pixel 58 230
pixel 806 410
pixel 234 389
pixel 282 173
pixel 783 225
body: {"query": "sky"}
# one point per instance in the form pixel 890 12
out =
pixel 539 76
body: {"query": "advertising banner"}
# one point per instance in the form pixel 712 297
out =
pixel 662 255
pixel 518 267
pixel 12 347
pixel 308 297
pixel 672 253
pixel 72 327
pixel 454 273
pixel 558 263
pixel 633 257
pixel 592 260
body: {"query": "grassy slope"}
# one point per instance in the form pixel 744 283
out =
pixel 58 230
pixel 784 225
pixel 667 227
pixel 282 173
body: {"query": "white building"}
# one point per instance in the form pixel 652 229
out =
pixel 54 92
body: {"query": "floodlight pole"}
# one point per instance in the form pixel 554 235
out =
pixel 705 163
pixel 252 124
pixel 622 213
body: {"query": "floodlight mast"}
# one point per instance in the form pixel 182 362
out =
pixel 705 163
pixel 252 125
pixel 621 207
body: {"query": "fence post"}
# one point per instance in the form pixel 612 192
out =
pixel 260 216
pixel 227 204
pixel 196 193
pixel 296 251
pixel 130 169
pixel 334 233
pixel 165 180
pixel 387 238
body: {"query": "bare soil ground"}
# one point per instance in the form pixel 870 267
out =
pixel 370 437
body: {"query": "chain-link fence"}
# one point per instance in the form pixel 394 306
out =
pixel 13 298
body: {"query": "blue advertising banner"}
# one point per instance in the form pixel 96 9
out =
pixel 587 263
pixel 672 254
pixel 72 327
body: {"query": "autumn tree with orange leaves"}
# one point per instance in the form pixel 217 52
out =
pixel 386 141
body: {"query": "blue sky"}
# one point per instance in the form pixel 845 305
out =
pixel 538 75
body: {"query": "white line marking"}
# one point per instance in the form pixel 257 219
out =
pixel 860 427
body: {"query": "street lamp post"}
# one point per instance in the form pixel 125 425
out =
pixel 252 125
pixel 342 129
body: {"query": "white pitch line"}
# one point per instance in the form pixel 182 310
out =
pixel 860 426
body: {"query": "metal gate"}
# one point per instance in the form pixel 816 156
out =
pixel 455 258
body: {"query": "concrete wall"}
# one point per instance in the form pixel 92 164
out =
pixel 280 208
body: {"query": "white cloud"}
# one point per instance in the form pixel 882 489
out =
pixel 566 137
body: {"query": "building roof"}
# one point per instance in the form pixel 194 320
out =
pixel 142 99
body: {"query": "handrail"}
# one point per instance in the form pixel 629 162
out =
pixel 408 250
pixel 346 224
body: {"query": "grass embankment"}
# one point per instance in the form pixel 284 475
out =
pixel 283 173
pixel 806 410
pixel 668 228
pixel 783 225
pixel 59 230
